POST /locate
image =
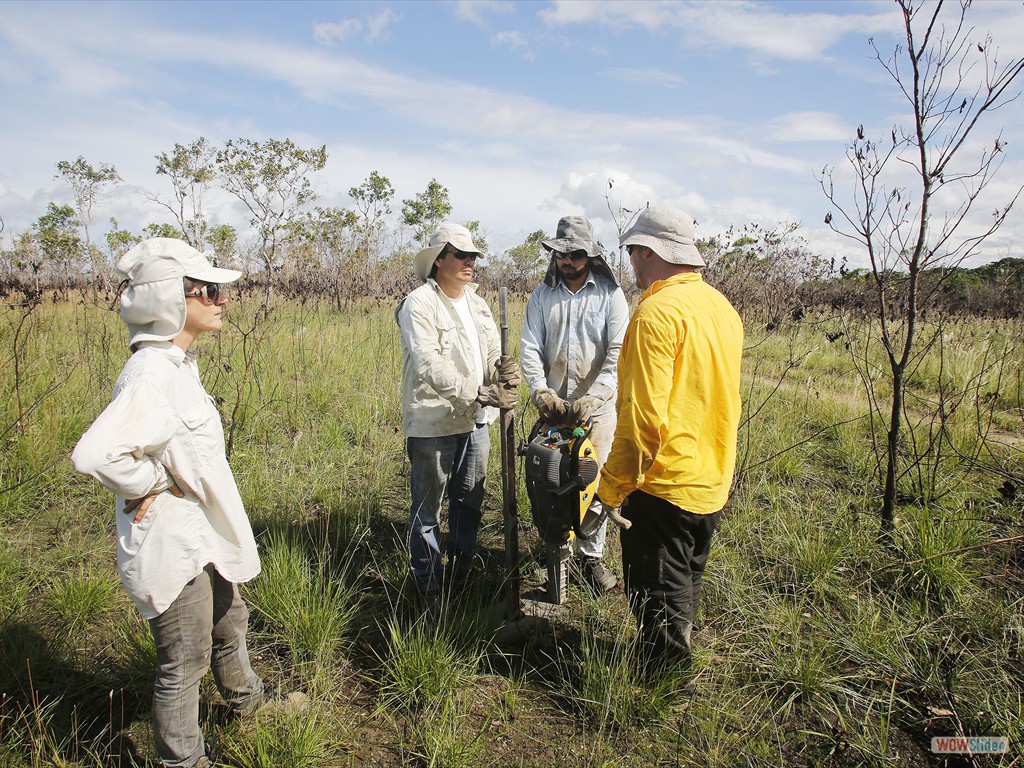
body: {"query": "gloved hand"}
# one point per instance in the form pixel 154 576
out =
pixel 550 406
pixel 498 396
pixel 508 372
pixel 583 408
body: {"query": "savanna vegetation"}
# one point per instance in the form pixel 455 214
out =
pixel 865 593
pixel 820 644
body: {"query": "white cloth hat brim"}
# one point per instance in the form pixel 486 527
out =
pixel 674 253
pixel 447 233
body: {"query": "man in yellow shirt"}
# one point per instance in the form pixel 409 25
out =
pixel 672 461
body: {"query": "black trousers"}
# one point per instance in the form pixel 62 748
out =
pixel 663 557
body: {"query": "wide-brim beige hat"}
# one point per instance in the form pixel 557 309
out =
pixel 448 232
pixel 669 232
pixel 574 233
pixel 153 303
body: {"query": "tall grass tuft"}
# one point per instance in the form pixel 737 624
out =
pixel 611 681
pixel 310 607
pixel 273 740
pixel 429 658
pixel 79 599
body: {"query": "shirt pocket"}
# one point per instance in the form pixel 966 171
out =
pixel 203 432
pixel 446 337
pixel 133 534
pixel 593 326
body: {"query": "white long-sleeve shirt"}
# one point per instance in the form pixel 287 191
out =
pixel 570 341
pixel 162 428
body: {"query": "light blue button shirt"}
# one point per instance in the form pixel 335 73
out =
pixel 572 340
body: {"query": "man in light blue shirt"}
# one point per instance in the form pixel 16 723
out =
pixel 568 352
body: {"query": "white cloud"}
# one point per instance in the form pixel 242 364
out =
pixel 741 24
pixel 328 32
pixel 650 76
pixel 513 40
pixel 476 11
pixel 809 126
pixel 377 25
pixel 375 28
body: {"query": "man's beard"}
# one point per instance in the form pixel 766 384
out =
pixel 572 272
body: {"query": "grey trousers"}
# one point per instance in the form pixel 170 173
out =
pixel 204 627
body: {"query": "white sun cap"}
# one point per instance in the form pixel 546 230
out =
pixel 153 304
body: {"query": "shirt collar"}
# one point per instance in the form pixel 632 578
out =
pixel 681 278
pixel 173 353
pixel 589 281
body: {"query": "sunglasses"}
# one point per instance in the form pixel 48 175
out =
pixel 574 256
pixel 211 292
pixel 463 255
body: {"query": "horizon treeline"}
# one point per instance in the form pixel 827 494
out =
pixel 295 247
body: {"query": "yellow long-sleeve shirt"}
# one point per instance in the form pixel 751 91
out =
pixel 679 398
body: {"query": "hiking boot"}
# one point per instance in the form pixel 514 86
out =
pixel 596 576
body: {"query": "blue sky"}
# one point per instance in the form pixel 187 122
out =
pixel 524 110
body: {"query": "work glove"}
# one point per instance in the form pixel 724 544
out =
pixel 508 372
pixel 498 395
pixel 550 406
pixel 583 408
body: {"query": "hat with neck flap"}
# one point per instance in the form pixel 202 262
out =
pixel 153 303
pixel 575 233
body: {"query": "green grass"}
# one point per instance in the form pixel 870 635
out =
pixel 308 605
pixel 820 644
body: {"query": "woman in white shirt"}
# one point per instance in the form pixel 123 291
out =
pixel 183 537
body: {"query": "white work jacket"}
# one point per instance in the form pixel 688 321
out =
pixel 162 428
pixel 439 376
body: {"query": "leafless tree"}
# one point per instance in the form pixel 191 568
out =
pixel 913 192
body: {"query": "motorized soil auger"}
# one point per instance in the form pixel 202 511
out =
pixel 561 472
pixel 561 480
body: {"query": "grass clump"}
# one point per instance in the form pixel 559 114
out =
pixel 297 740
pixel 425 663
pixel 310 608
pixel 79 599
pixel 610 679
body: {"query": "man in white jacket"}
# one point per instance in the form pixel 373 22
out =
pixel 452 380
pixel 569 349
pixel 183 537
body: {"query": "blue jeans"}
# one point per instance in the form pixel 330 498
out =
pixel 453 466
pixel 204 627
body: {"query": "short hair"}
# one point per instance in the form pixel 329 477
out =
pixel 191 284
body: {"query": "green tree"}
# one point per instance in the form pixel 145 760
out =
pixel 163 230
pixel 373 199
pixel 224 240
pixel 191 170
pixel 119 241
pixel 60 246
pixel 328 239
pixel 272 179
pixel 87 184
pixel 522 267
pixel 427 210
